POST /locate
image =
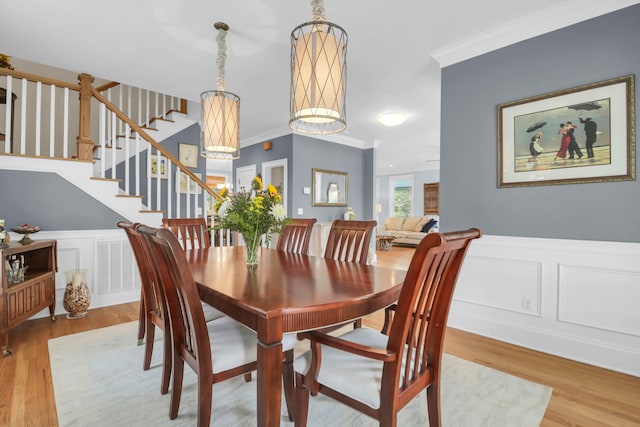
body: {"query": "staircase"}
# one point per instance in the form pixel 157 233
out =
pixel 111 160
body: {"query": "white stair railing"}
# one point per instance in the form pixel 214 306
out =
pixel 40 112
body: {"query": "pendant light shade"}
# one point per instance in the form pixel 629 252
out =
pixel 318 76
pixel 220 112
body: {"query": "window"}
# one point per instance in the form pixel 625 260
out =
pixel 400 195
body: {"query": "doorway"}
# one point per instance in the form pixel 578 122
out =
pixel 275 173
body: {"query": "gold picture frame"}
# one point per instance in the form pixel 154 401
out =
pixel 577 135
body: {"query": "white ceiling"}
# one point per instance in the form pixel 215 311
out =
pixel 169 46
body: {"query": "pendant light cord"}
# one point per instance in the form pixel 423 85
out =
pixel 222 56
pixel 318 10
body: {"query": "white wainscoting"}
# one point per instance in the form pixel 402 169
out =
pixel 112 274
pixel 575 299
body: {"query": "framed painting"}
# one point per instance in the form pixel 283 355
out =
pixel 159 167
pixel 188 155
pixel 329 188
pixel 182 178
pixel 577 135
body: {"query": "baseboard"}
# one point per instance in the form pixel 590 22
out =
pixel 578 348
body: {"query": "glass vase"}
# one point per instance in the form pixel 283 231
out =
pixel 252 243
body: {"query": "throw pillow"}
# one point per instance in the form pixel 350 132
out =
pixel 428 226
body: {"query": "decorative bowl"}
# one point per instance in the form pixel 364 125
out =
pixel 26 230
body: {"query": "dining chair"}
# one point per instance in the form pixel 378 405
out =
pixel 216 350
pixel 153 310
pixel 295 236
pixel 349 240
pixel 378 374
pixel 191 232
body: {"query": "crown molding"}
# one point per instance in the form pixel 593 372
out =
pixel 546 20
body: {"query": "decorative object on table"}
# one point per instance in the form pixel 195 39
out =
pixel 603 150
pixel 349 214
pixel 3 234
pixel 76 294
pixel 329 188
pixel 26 229
pixel 5 61
pixel 15 269
pixel 253 214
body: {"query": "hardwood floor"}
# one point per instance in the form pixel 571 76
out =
pixel 583 395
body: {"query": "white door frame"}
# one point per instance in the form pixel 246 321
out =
pixel 266 177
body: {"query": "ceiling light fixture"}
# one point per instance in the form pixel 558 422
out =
pixel 392 119
pixel 220 111
pixel 318 75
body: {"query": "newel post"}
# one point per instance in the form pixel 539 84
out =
pixel 85 144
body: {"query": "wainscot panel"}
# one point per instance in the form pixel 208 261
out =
pixel 571 298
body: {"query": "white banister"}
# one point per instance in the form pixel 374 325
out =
pixel 65 125
pixel 52 121
pixel 23 119
pixel 102 142
pixel 38 113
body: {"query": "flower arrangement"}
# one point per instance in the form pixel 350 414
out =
pixel 253 214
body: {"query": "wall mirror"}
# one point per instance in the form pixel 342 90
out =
pixel 329 188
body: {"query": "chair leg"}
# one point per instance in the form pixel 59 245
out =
pixel 288 379
pixel 141 321
pixel 433 404
pixel 176 390
pixel 167 361
pixel 148 345
pixel 204 401
pixel 302 403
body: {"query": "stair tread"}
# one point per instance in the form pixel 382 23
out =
pixel 130 196
pixel 106 179
pixel 144 211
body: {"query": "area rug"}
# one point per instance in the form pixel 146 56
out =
pixel 98 381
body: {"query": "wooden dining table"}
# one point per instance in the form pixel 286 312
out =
pixel 287 293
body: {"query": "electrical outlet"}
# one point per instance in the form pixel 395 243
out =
pixel 300 211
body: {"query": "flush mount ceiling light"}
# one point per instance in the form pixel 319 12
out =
pixel 392 119
pixel 220 111
pixel 318 75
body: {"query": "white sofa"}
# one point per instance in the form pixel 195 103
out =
pixel 407 230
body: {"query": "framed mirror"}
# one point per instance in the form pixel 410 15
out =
pixel 329 188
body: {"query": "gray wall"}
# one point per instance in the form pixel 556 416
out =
pixel 51 202
pixel 309 153
pixel 281 148
pixel 591 51
pixel 304 153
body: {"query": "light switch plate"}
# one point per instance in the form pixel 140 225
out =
pixel 306 190
pixel 300 211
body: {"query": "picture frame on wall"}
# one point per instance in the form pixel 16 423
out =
pixel 182 178
pixel 188 155
pixel 577 135
pixel 159 164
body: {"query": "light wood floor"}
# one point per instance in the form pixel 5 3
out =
pixel 582 395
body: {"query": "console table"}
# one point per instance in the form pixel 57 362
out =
pixel 20 301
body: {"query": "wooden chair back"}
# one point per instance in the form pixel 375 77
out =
pixel 417 331
pixel 153 308
pixel 349 240
pixel 295 236
pixel 192 233
pixel 189 331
